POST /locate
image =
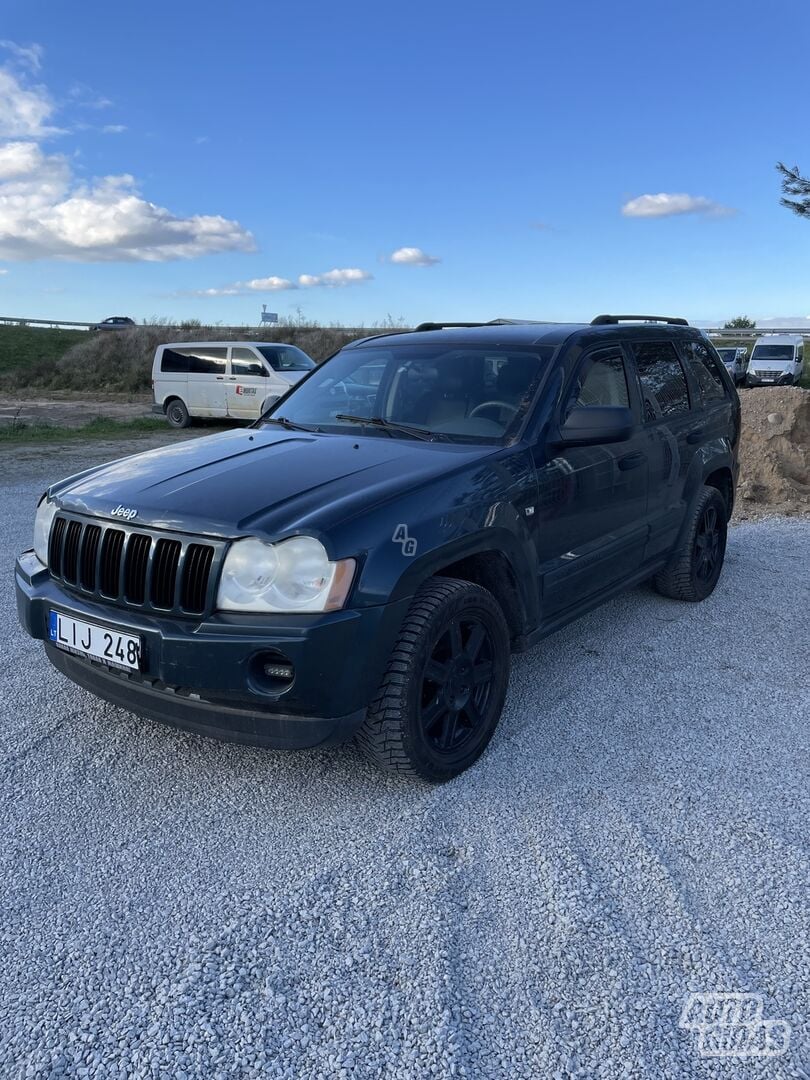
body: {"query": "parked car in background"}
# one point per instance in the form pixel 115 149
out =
pixel 776 360
pixel 115 322
pixel 734 361
pixel 238 379
pixel 364 560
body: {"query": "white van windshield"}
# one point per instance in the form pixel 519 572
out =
pixel 773 352
pixel 286 358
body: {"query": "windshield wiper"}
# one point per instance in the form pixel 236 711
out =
pixel 389 425
pixel 289 424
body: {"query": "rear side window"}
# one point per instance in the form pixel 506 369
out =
pixel 203 360
pixel 705 369
pixel 601 381
pixel 663 383
pixel 173 361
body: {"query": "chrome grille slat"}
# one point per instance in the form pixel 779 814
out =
pixel 135 568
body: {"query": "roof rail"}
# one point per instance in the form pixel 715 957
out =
pixel 445 325
pixel 613 320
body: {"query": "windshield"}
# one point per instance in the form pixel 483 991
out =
pixel 286 358
pixel 728 356
pixel 465 393
pixel 773 352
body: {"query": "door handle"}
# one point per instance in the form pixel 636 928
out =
pixel 220 378
pixel 694 437
pixel 631 460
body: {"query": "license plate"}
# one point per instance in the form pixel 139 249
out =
pixel 87 639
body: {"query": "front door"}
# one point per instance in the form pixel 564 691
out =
pixel 591 525
pixel 247 383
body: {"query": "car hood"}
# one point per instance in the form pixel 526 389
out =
pixel 261 480
pixel 292 377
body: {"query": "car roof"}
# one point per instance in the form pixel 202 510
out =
pixel 525 333
pixel 223 344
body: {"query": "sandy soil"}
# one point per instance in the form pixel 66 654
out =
pixel 774 452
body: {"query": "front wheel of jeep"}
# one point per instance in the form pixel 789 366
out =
pixel 443 691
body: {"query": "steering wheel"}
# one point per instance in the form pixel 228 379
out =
pixel 494 405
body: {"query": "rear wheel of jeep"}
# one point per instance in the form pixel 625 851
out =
pixel 695 566
pixel 442 694
pixel 177 414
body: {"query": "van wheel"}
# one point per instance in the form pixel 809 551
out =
pixel 695 566
pixel 177 414
pixel 442 694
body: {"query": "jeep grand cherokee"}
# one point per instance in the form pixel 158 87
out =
pixel 362 561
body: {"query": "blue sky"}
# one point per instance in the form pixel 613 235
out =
pixel 282 154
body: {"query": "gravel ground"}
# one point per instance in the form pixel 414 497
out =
pixel 638 830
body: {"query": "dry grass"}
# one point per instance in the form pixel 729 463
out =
pixel 121 361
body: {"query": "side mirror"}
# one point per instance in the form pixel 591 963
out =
pixel 596 424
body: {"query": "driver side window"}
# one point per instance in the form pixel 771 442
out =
pixel 601 381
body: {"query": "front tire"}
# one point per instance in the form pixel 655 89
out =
pixel 694 567
pixel 443 691
pixel 177 414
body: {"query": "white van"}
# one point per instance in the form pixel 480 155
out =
pixel 777 359
pixel 237 379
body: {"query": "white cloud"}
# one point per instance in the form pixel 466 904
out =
pixel 666 205
pixel 24 110
pixel 244 288
pixel 46 213
pixel 413 256
pixel 114 129
pixel 3 271
pixel 86 98
pixel 334 279
pixel 29 56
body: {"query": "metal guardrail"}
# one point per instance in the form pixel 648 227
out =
pixel 8 320
pixel 800 331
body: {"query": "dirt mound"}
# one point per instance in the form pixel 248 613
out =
pixel 774 452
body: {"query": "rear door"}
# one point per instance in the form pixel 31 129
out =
pixel 591 517
pixel 673 429
pixel 247 383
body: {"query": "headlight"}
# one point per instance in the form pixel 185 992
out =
pixel 42 528
pixel 293 575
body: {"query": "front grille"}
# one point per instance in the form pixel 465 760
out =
pixel 134 567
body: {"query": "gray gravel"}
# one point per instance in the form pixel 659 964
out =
pixel 175 907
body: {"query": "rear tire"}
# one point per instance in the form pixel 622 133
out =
pixel 443 691
pixel 695 565
pixel 177 414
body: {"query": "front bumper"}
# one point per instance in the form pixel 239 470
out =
pixel 781 380
pixel 207 676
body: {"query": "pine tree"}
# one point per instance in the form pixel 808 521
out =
pixel 793 183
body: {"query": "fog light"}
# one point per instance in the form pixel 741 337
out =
pixel 270 672
pixel 278 671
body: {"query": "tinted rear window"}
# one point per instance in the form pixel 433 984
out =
pixel 205 360
pixel 663 383
pixel 705 369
